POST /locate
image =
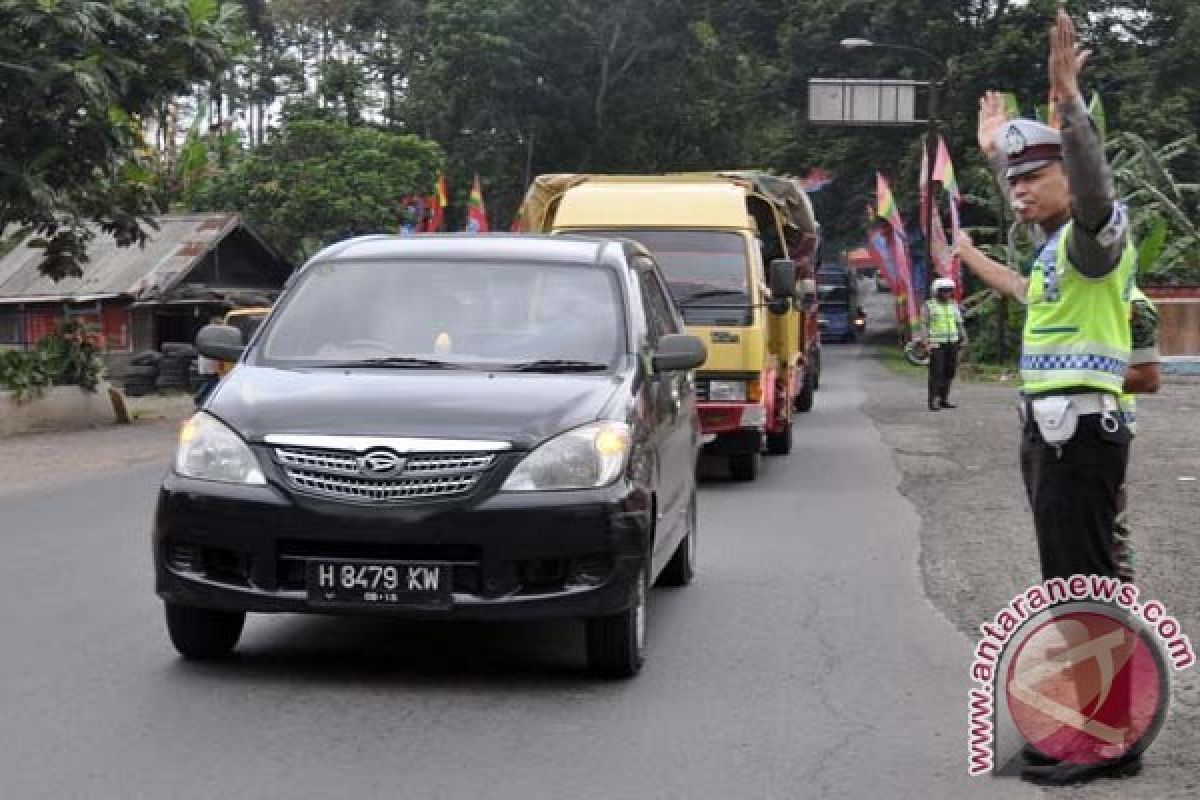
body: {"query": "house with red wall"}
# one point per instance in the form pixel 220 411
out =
pixel 193 268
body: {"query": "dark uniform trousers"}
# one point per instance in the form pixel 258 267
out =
pixel 1074 495
pixel 943 364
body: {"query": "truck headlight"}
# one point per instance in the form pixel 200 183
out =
pixel 210 451
pixel 727 391
pixel 584 458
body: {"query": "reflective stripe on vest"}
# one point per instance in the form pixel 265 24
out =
pixel 1076 332
pixel 943 322
pixel 1128 405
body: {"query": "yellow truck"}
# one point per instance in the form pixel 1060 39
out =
pixel 729 245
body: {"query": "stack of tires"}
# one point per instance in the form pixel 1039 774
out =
pixel 142 374
pixel 173 368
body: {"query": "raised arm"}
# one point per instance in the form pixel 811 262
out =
pixel 997 276
pixel 1100 232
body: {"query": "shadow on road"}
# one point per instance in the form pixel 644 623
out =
pixel 380 652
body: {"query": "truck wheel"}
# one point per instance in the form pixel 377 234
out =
pixel 780 444
pixel 616 644
pixel 202 634
pixel 804 400
pixel 745 466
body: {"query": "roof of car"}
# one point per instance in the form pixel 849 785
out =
pixel 502 246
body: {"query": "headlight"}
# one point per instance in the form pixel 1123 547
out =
pixel 210 451
pixel 727 391
pixel 585 458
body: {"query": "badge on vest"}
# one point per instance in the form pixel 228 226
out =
pixel 1050 291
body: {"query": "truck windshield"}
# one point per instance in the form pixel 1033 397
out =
pixel 406 314
pixel 706 271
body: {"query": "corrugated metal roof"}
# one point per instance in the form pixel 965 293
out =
pixel 143 272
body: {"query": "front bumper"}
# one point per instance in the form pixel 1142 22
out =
pixel 511 556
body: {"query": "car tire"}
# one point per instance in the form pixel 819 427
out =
pixel 682 567
pixel 816 373
pixel 780 444
pixel 203 634
pixel 745 466
pixel 616 644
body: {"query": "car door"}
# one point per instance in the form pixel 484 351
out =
pixel 674 414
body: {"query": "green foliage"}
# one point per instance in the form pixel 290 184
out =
pixel 70 357
pixel 1162 208
pixel 320 179
pixel 76 78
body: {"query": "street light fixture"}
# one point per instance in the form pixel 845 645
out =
pixel 857 43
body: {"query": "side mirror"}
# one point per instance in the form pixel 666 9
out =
pixel 781 278
pixel 679 351
pixel 808 293
pixel 222 342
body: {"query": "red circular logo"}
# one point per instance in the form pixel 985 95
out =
pixel 1087 687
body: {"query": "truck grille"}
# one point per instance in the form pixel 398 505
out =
pixel 336 474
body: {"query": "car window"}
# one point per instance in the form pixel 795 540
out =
pixel 482 314
pixel 658 312
pixel 659 298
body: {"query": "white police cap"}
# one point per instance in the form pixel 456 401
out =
pixel 1028 146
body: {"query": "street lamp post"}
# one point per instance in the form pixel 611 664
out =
pixel 930 139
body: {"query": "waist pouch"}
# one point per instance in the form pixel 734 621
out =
pixel 1056 418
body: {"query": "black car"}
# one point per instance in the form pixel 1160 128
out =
pixel 442 427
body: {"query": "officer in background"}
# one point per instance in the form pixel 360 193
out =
pixel 945 335
pixel 1076 342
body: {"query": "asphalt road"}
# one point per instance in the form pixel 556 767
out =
pixel 804 662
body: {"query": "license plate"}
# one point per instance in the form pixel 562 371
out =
pixel 378 583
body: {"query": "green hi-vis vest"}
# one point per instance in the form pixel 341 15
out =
pixel 943 322
pixel 1076 328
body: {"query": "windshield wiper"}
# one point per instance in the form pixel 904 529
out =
pixel 706 293
pixel 557 365
pixel 397 361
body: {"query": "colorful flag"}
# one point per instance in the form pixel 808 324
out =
pixel 906 292
pixel 476 213
pixel 435 207
pixel 885 204
pixel 816 180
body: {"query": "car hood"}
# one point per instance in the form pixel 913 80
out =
pixel 521 408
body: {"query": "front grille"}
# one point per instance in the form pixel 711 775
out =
pixel 335 474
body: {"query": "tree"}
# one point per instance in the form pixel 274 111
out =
pixel 77 79
pixel 319 179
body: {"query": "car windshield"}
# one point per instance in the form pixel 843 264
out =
pixel 706 271
pixel 833 295
pixel 411 313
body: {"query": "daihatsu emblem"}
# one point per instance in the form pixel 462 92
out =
pixel 380 464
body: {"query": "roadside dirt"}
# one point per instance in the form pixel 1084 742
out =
pixel 960 470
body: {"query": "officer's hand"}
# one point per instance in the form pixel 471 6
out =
pixel 992 116
pixel 962 241
pixel 1066 60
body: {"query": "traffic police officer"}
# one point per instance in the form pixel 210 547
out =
pixel 1076 341
pixel 945 334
